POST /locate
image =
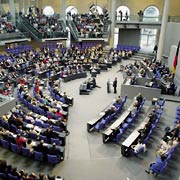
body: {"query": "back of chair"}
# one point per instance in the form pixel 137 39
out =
pixel 15 148
pixel 11 177
pixel 38 156
pixel 53 159
pixel 26 152
pixel 5 144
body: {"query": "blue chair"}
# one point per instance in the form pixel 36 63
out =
pixel 5 144
pixel 161 102
pixel 52 159
pixel 32 136
pixel 56 140
pixel 119 135
pixel 3 176
pixel 38 123
pixel 99 126
pixel 26 152
pixel 11 177
pixel 42 112
pixel 49 114
pixel 14 129
pixel 38 156
pixel 56 128
pixel 43 138
pixel 125 126
pixel 36 109
pixel 15 148
pixel 45 125
pixel 158 171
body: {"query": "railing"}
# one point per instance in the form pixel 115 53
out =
pixel 146 18
pixel 174 19
pixel 8 36
pixel 73 30
pixel 138 18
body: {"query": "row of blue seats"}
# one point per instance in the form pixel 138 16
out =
pixel 105 121
pixel 52 159
pixel 127 123
pixel 37 109
pixel 128 47
pixel 162 164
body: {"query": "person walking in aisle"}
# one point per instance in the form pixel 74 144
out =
pixel 115 85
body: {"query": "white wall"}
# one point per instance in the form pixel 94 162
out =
pixel 172 37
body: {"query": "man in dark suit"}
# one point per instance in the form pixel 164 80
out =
pixel 41 148
pixel 53 150
pixel 152 116
pixel 115 85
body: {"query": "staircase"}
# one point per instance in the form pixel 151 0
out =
pixel 73 29
pixel 140 56
pixel 24 25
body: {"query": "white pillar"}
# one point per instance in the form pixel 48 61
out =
pixel 63 15
pixel 116 37
pixel 163 29
pixel 113 10
pixel 12 10
pixel 68 41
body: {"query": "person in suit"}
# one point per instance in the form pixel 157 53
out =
pixel 53 150
pixel 152 116
pixel 41 148
pixel 115 85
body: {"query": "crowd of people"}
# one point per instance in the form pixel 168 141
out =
pixel 7 170
pixel 6 25
pixel 91 24
pixel 47 26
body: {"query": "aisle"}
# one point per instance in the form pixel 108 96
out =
pixel 80 144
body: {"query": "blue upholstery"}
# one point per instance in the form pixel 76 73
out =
pixel 3 176
pixel 38 156
pixel 5 144
pixel 53 159
pixel 15 148
pixel 26 152
pixel 158 170
pixel 57 141
pixel 43 138
pixel 11 177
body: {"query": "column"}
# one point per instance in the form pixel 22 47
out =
pixel 63 15
pixel 113 10
pixel 163 30
pixel 12 10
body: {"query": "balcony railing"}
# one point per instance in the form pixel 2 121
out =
pixel 137 18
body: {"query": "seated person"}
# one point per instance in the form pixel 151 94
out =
pixel 157 165
pixel 144 131
pixel 41 147
pixel 118 100
pixel 110 111
pixel 53 150
pixel 152 116
pixel 138 146
pixel 164 147
pixel 139 98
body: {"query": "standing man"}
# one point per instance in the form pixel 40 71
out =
pixel 115 85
